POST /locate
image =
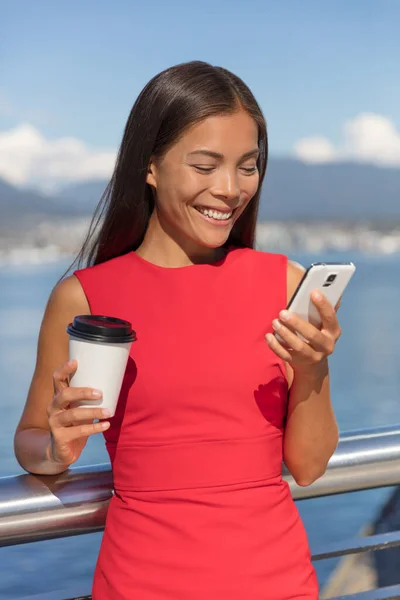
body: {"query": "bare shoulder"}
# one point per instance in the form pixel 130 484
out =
pixel 295 272
pixel 68 294
pixel 66 300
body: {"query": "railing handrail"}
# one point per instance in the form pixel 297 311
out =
pixel 34 508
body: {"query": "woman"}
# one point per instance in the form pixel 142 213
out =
pixel 211 402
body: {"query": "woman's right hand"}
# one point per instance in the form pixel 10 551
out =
pixel 71 425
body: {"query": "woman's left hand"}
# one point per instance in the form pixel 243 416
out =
pixel 301 355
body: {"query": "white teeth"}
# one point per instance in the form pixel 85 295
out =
pixel 214 214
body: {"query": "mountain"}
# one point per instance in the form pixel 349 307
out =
pixel 339 191
pixel 24 208
pixel 84 196
pixel 293 191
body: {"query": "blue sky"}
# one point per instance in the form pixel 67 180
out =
pixel 75 68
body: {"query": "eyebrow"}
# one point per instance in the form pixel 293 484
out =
pixel 219 156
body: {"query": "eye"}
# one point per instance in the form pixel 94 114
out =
pixel 204 169
pixel 249 170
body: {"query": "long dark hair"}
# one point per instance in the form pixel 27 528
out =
pixel 171 102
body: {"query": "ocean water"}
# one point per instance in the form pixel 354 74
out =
pixel 365 386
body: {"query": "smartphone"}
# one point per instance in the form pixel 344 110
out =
pixel 330 278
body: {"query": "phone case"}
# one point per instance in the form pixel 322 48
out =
pixel 330 278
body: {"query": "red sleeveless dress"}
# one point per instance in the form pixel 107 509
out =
pixel 200 510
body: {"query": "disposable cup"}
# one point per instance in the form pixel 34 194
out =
pixel 101 347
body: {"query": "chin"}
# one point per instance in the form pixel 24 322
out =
pixel 212 242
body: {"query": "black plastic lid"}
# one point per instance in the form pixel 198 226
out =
pixel 97 328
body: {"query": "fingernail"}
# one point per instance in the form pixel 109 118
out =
pixel 269 337
pixel 317 296
pixel 275 324
pixel 96 394
pixel 284 315
pixel 71 363
pixel 106 412
pixel 105 425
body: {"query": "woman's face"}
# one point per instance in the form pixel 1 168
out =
pixel 206 179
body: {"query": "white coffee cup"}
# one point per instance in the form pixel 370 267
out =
pixel 101 347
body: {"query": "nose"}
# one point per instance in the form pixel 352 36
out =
pixel 227 185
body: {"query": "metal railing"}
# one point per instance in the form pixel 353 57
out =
pixel 34 508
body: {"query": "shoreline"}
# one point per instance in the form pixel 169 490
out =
pixel 52 241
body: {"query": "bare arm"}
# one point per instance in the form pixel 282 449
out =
pixel 34 444
pixel 311 433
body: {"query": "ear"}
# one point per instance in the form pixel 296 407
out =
pixel 151 178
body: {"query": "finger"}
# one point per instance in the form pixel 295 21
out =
pixel 339 302
pixel 292 340
pixel 62 376
pixel 319 341
pixel 71 394
pixel 77 431
pixel 327 312
pixel 277 347
pixel 79 415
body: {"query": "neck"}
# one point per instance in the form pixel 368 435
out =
pixel 164 250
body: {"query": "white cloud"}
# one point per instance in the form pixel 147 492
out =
pixel 27 158
pixel 315 149
pixel 368 138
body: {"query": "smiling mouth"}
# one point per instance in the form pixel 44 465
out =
pixel 215 215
